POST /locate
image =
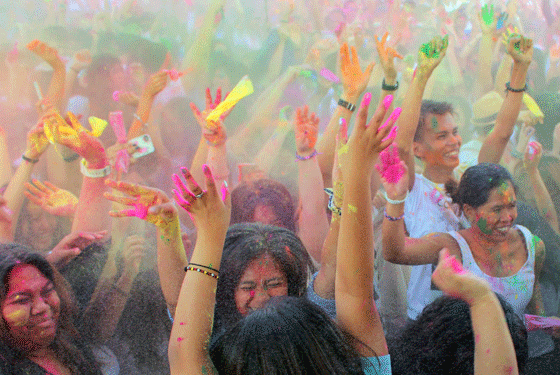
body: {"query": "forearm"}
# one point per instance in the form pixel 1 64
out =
pixel 313 224
pixel 92 212
pixel 143 113
pixel 55 91
pixel 218 163
pixel 327 142
pixel 171 262
pixel 502 75
pixel 194 314
pixel 324 284
pixel 496 142
pixel 14 191
pixel 5 161
pixel 200 157
pixel 61 173
pixel 268 154
pixel 543 199
pixel 484 67
pixel 393 233
pixel 494 352
pixel 355 305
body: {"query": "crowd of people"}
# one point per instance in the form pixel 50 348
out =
pixel 185 188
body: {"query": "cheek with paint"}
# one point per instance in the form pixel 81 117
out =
pixel 17 317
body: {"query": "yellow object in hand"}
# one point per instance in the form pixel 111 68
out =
pixel 241 90
pixel 533 106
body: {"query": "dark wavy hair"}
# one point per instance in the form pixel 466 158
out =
pixel 245 243
pixel 248 195
pixel 289 335
pixel 441 340
pixel 476 184
pixel 433 108
pixel 68 344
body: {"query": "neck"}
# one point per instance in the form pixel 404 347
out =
pixel 437 174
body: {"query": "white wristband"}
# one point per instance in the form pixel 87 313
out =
pixel 95 173
pixel 389 200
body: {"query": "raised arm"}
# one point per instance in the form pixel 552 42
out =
pixel 429 57
pixel 355 305
pixel 153 206
pixel 397 248
pixel 488 21
pixel 55 93
pixel 494 352
pixel 192 326
pixel 387 57
pixel 354 83
pixel 312 224
pixel 521 50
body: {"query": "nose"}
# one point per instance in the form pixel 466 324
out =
pixel 260 297
pixel 39 306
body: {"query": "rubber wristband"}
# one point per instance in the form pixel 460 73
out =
pixel 347 105
pixel 94 173
pixel 389 200
pixel 387 87
pixel 303 158
pixel 392 218
pixel 29 160
pixel 509 88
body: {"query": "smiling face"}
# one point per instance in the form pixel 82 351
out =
pixel 440 141
pixel 261 280
pixel 495 218
pixel 31 308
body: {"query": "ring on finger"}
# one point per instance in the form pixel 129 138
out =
pixel 197 196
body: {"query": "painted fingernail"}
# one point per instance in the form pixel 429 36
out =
pixel 396 113
pixel 206 169
pixel 387 101
pixel 367 99
pixel 392 133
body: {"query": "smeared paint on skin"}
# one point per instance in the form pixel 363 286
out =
pixel 18 317
pixel 352 208
pixel 434 122
pixel 179 339
pixel 455 265
pixel 482 224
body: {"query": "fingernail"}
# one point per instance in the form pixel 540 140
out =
pixel 367 99
pixel 206 169
pixel 387 101
pixel 396 113
pixel 392 133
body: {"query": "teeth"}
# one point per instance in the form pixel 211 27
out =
pixel 503 230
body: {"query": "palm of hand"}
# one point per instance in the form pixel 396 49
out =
pixel 520 48
pixel 307 129
pixel 37 141
pixel 60 203
pixel 354 79
pixel 431 54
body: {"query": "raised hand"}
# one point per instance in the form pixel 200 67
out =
pixel 394 173
pixel 147 203
pixel 369 139
pixel 532 156
pixel 340 163
pixel 209 210
pixel 37 141
pixel 520 48
pixel 216 136
pixel 354 80
pixel 71 246
pixel 80 60
pixel 72 134
pixel 55 201
pixel 431 54
pixel 387 56
pixel 156 83
pixel 49 54
pixel 307 129
pixel 487 19
pixel 452 279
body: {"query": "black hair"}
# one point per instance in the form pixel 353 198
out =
pixel 441 340
pixel 289 335
pixel 433 108
pixel 247 242
pixel 476 184
pixel 68 344
pixel 248 195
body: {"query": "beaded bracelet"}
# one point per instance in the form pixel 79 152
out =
pixel 509 88
pixel 200 265
pixel 392 218
pixel 302 158
pixel 386 87
pixel 389 200
pixel 29 160
pixel 191 268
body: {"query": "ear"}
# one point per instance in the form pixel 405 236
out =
pixel 470 212
pixel 418 149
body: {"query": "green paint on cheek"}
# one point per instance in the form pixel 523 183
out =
pixel 434 122
pixel 483 226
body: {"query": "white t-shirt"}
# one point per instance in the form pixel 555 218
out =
pixel 427 210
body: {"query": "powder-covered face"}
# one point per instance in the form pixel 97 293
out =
pixel 440 141
pixel 31 308
pixel 261 280
pixel 495 218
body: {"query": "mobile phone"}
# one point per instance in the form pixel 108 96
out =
pixel 143 146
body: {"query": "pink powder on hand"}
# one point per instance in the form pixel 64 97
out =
pixel 329 76
pixel 122 161
pixel 173 74
pixel 390 169
pixel 455 265
pixel 116 95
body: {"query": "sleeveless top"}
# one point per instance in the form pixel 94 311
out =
pixel 516 289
